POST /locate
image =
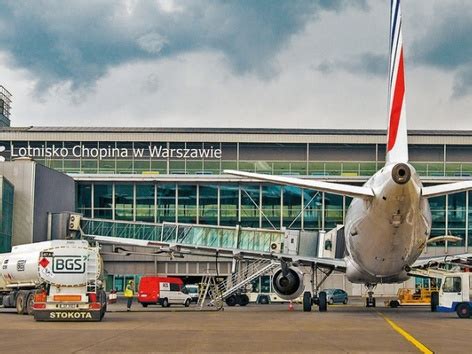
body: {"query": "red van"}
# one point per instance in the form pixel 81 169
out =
pixel 165 291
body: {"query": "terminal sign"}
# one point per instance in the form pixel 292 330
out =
pixel 81 151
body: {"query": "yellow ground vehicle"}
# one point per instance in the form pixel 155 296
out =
pixel 409 297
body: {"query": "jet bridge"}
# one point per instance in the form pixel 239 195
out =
pixel 192 235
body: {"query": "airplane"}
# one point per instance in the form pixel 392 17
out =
pixel 388 222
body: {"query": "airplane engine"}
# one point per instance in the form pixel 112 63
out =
pixel 288 287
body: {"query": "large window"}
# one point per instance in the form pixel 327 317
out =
pixel 438 213
pixel 271 206
pixel 166 197
pixel 333 211
pixel 102 200
pixel 229 201
pixel 208 204
pixel 145 202
pixel 250 205
pixel 6 215
pixel 456 216
pixel 187 204
pixel 292 207
pixel 84 199
pixel 313 210
pixel 89 164
pixel 124 206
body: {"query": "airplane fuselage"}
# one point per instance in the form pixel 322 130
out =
pixel 386 234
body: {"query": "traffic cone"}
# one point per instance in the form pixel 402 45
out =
pixel 290 306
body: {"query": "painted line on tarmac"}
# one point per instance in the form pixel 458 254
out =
pixel 421 347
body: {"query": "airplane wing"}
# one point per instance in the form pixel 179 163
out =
pixel 182 249
pixel 424 261
pixel 442 189
pixel 335 188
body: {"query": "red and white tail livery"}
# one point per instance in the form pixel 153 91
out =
pixel 397 143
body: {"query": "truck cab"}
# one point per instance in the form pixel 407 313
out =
pixel 455 294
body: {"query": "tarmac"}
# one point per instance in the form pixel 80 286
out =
pixel 348 328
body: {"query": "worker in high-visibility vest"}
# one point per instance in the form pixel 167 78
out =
pixel 129 293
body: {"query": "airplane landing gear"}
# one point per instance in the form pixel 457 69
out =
pixel 316 297
pixel 370 300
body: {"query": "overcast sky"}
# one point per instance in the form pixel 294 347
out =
pixel 251 63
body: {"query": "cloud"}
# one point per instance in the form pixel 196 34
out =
pixel 447 44
pixel 370 64
pixel 220 69
pixel 152 42
pixel 78 42
pixel 463 83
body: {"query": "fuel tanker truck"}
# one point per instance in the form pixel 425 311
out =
pixel 54 281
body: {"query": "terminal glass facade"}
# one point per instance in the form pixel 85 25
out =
pixel 6 215
pixel 256 205
pixel 211 158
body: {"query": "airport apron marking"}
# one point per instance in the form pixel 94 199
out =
pixel 421 347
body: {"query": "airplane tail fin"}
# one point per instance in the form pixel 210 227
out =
pixel 397 143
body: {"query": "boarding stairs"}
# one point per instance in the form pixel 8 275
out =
pixel 247 272
pixel 440 269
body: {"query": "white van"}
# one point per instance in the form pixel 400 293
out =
pixel 192 290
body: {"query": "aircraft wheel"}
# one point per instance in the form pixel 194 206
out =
pixel 307 301
pixel 463 310
pixel 322 303
pixel 370 302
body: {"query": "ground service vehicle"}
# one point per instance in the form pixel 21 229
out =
pixel 54 281
pixel 162 290
pixel 192 290
pixel 412 297
pixel 455 294
pixel 334 296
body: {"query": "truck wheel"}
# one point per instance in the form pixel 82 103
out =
pixel 165 303
pixel 463 310
pixel 307 301
pixel 231 301
pixel 394 304
pixel 144 305
pixel 21 303
pixel 434 301
pixel 264 300
pixel 29 303
pixel 243 300
pixel 322 303
pixel 187 303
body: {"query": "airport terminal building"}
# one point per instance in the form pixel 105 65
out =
pixel 156 175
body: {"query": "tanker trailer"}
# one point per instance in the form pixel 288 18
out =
pixel 54 281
